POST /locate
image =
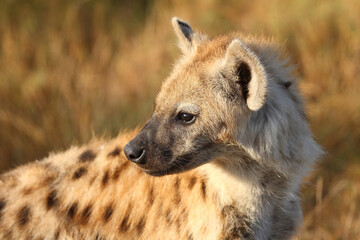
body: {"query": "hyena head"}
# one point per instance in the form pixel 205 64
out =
pixel 209 96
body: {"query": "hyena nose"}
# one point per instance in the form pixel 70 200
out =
pixel 134 154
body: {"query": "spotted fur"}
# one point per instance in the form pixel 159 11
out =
pixel 232 173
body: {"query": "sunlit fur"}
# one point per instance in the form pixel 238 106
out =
pixel 244 186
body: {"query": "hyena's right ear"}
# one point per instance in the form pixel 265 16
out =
pixel 249 73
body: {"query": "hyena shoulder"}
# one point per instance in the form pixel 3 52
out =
pixel 94 192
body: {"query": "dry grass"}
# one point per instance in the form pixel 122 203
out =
pixel 70 69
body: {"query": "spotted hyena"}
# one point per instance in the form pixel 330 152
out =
pixel 222 157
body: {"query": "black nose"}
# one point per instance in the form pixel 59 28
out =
pixel 134 154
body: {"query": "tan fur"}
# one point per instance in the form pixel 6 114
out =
pixel 128 204
pixel 243 186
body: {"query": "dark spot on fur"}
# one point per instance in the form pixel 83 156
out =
pixel 177 197
pixel 92 180
pixel 177 184
pixel 203 79
pixel 79 173
pixel 151 198
pixel 48 180
pixel 87 155
pixel 51 200
pixel 105 179
pixel 2 206
pixel 72 210
pixel 108 212
pixel 125 223
pixel 116 173
pixel 119 169
pixel 190 236
pixel 23 215
pixel 141 225
pixel 8 235
pixel 85 214
pixel 178 224
pixel 223 75
pixel 243 73
pixel 236 225
pixel 114 152
pixel 168 217
pixel 27 190
pixel 184 215
pixel 203 189
pixel 99 237
pixel 287 84
pixel 57 234
pixel 192 182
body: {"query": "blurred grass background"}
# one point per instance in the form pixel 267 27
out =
pixel 72 69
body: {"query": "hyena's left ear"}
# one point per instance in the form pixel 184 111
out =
pixel 249 73
pixel 188 40
pixel 184 33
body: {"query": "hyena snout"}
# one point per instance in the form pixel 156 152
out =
pixel 135 152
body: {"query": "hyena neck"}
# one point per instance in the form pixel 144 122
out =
pixel 250 195
pixel 246 182
pixel 240 197
pixel 230 186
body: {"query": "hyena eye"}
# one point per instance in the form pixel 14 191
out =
pixel 187 118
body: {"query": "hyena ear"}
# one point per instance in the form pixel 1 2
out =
pixel 184 33
pixel 249 73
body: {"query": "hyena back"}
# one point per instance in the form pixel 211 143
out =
pixel 222 157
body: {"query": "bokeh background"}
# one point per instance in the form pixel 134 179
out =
pixel 74 69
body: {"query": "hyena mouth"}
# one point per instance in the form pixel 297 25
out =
pixel 180 164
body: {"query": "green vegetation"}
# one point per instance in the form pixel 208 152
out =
pixel 72 69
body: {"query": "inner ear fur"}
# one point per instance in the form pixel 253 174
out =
pixel 250 73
